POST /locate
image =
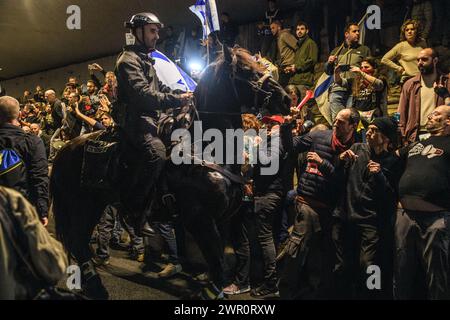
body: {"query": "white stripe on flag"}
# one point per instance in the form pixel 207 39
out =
pixel 206 12
pixel 321 95
pixel 170 74
pixel 213 16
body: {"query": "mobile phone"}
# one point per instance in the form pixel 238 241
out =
pixel 344 67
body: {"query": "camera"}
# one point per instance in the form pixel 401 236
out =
pixel 344 67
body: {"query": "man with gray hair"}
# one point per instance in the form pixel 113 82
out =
pixel 58 110
pixel 31 169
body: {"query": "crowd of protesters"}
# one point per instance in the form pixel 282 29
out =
pixel 364 189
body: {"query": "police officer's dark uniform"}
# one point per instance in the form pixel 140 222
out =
pixel 141 94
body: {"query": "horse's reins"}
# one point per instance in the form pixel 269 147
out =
pixel 256 87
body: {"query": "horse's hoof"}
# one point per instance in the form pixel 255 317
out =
pixel 94 289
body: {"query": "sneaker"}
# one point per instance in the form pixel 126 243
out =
pixel 170 270
pixel 118 245
pixel 265 292
pixel 233 289
pixel 136 255
pixel 100 261
pixel 140 257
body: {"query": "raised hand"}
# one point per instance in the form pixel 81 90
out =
pixel 348 155
pixel 314 157
pixel 332 59
pixel 104 103
pixel 374 167
pixel 97 67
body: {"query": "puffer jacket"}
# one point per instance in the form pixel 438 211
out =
pixel 324 182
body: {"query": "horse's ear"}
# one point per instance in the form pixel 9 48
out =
pixel 227 54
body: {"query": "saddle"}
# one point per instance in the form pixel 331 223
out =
pixel 110 154
pixel 171 121
pixel 100 167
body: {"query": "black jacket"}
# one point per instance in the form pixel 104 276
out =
pixel 139 90
pixel 57 114
pixel 370 198
pixel 271 156
pixel 32 151
pixel 320 182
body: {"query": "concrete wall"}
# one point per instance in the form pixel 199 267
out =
pixel 55 78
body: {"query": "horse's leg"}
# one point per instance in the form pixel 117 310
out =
pixel 93 285
pixel 84 218
pixel 204 230
pixel 77 211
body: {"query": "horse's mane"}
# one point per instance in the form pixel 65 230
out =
pixel 242 59
pixel 214 87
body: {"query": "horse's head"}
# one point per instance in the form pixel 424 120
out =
pixel 236 83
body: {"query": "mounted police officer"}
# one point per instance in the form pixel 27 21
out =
pixel 142 95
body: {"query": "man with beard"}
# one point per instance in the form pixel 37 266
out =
pixel 306 56
pixel 286 44
pixel 309 252
pixel 423 225
pixel 421 95
pixel 92 90
pixel 141 95
pixel 349 54
pixel 367 212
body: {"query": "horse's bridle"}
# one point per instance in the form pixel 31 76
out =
pixel 255 85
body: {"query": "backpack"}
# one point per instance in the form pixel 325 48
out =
pixel 12 168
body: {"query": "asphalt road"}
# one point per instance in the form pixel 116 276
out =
pixel 127 279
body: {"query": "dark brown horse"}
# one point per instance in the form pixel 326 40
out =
pixel 227 88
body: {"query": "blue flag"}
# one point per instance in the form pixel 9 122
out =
pixel 170 74
pixel 206 11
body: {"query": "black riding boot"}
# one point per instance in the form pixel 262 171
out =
pixel 138 200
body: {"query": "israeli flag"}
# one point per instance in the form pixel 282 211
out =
pixel 321 95
pixel 206 11
pixel 170 74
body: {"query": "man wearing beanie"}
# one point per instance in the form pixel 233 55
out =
pixel 422 230
pixel 367 213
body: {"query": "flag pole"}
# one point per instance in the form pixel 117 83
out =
pixel 363 18
pixel 207 51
